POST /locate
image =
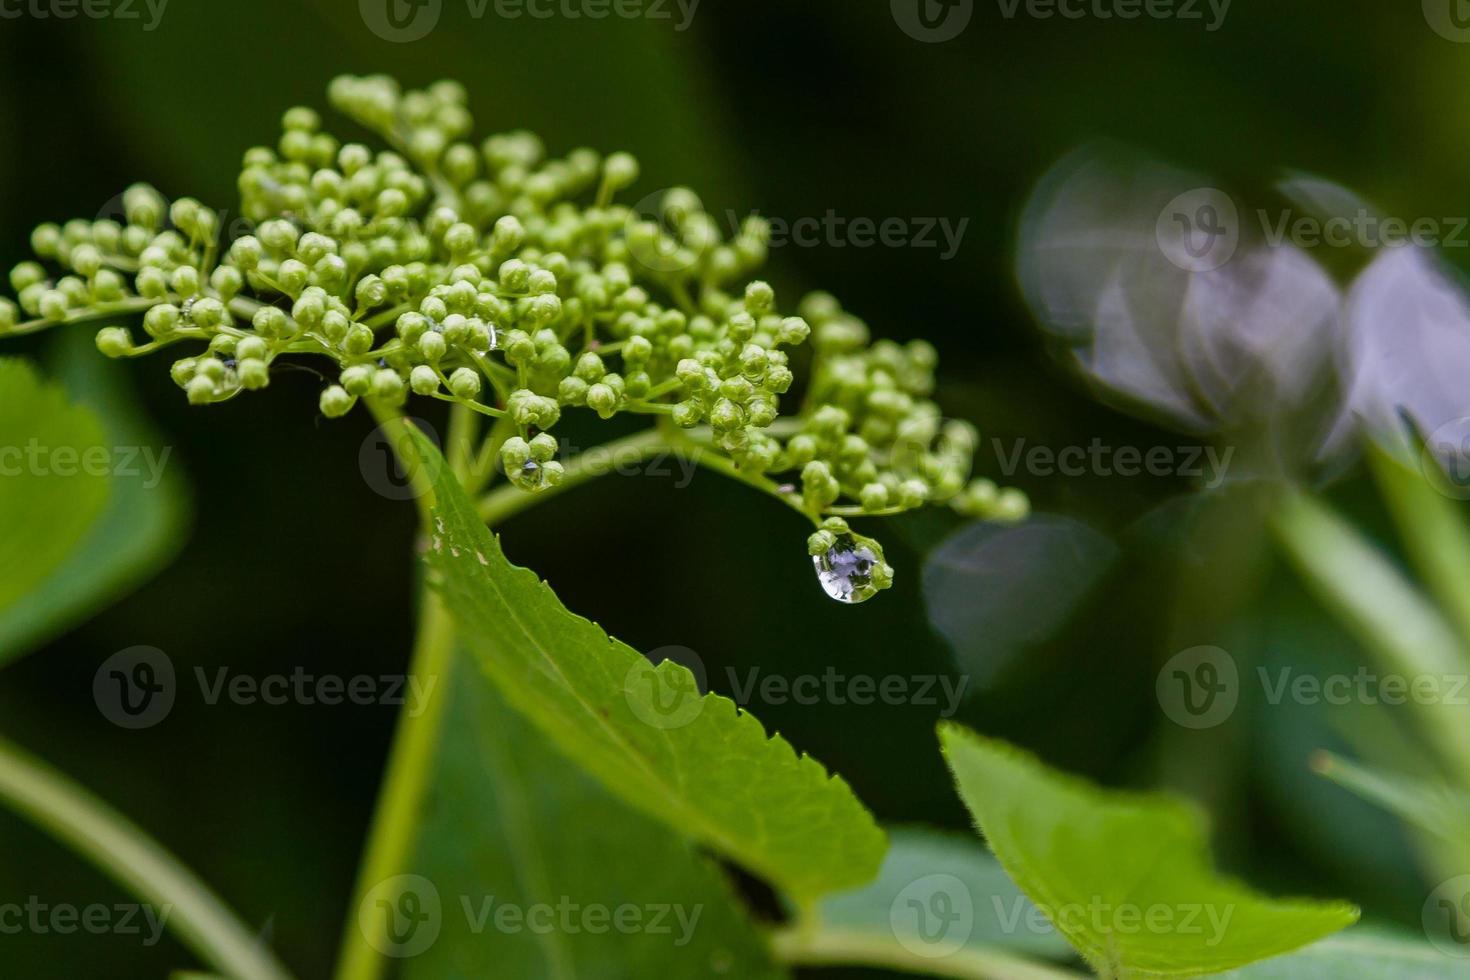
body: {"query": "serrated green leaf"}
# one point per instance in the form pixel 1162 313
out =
pixel 1359 954
pixel 922 863
pixel 1126 877
pixel 515 831
pixel 49 496
pixel 704 767
pixel 139 530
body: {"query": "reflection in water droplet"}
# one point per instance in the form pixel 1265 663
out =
pixel 846 570
pixel 531 475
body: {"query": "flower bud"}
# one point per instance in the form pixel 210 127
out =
pixel 602 399
pixel 423 380
pixel 254 374
pixel 357 379
pixel 114 341
pixel 432 346
pixel 336 402
pixel 464 383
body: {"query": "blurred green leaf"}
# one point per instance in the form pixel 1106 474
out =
pixel 49 498
pixel 1433 528
pixel 1360 954
pixel 924 864
pixel 1126 877
pixel 697 762
pixel 1432 807
pixel 513 826
pixel 137 533
pixel 1382 608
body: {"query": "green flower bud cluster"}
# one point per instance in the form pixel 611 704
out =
pixel 497 277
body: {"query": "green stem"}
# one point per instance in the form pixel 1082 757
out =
pixel 410 769
pixel 394 833
pixel 130 857
pixel 1383 609
pixel 720 463
pixel 508 501
pixel 1434 534
pixel 133 304
pixel 836 947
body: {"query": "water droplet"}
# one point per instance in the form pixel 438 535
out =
pixel 531 476
pixel 846 570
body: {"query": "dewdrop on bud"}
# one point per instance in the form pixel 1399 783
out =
pixel 849 566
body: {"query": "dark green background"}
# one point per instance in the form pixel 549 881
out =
pixel 787 108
